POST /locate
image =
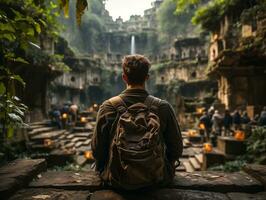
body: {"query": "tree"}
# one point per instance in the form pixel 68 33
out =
pixel 89 36
pixel 22 24
pixel 171 25
pixel 208 13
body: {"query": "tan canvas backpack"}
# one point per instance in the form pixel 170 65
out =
pixel 136 157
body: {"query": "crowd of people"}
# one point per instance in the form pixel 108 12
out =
pixel 63 115
pixel 227 123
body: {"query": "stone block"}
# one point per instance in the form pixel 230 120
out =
pixel 211 159
pixel 68 180
pixel 50 194
pixel 217 182
pixel 229 146
pixel 258 172
pixel 246 196
pixel 19 173
pixel 158 194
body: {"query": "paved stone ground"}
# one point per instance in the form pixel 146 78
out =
pixel 68 185
pixel 19 173
pixel 68 180
pixel 50 194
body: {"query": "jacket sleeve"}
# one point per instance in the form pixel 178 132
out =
pixel 100 143
pixel 171 132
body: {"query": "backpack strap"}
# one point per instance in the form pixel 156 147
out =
pixel 152 102
pixel 118 103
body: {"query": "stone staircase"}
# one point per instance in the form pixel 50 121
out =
pixel 192 157
pixel 59 144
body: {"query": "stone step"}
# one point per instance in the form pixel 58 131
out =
pixel 81 138
pixel 82 134
pixel 88 180
pixel 40 130
pixel 78 144
pixel 69 145
pixel 188 166
pixel 75 140
pixel 32 127
pixel 82 129
pixel 199 158
pixel 197 150
pixel 83 148
pixel 70 136
pixel 160 194
pixel 87 142
pixel 186 143
pixel 41 147
pixel 217 182
pixel 48 135
pixel 50 194
pixel 194 163
pixel 203 181
pixel 19 173
pixel 43 123
pixel 188 152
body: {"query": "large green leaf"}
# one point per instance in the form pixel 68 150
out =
pixel 2 89
pixel 21 60
pixel 15 118
pixel 18 78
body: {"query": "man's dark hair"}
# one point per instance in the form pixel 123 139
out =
pixel 136 68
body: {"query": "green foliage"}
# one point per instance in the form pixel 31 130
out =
pixel 209 15
pixel 170 25
pixel 256 152
pixel 81 5
pixel 22 23
pixel 256 145
pixel 231 166
pixel 89 36
pixel 12 110
pixel 184 5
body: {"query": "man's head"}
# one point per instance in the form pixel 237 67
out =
pixel 135 69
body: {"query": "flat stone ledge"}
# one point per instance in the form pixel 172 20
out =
pixel 68 180
pixel 204 181
pixel 217 182
pixel 18 174
pixel 258 172
pixel 245 196
pixel 50 194
pixel 161 194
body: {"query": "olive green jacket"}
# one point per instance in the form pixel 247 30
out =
pixel 107 114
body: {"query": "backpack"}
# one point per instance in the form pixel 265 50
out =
pixel 136 158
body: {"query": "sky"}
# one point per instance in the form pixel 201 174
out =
pixel 125 8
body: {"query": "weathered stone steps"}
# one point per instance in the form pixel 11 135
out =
pixel 18 174
pixel 66 185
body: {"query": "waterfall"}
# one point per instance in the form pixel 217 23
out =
pixel 132 48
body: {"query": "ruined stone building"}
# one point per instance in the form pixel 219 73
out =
pixel 182 79
pixel 238 59
pixel 81 85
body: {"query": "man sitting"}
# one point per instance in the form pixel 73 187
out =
pixel 137 139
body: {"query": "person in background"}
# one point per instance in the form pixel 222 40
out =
pixel 211 112
pixel 237 120
pixel 206 121
pixel 245 118
pixel 56 114
pixel 262 120
pixel 217 122
pixel 227 123
pixel 73 111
